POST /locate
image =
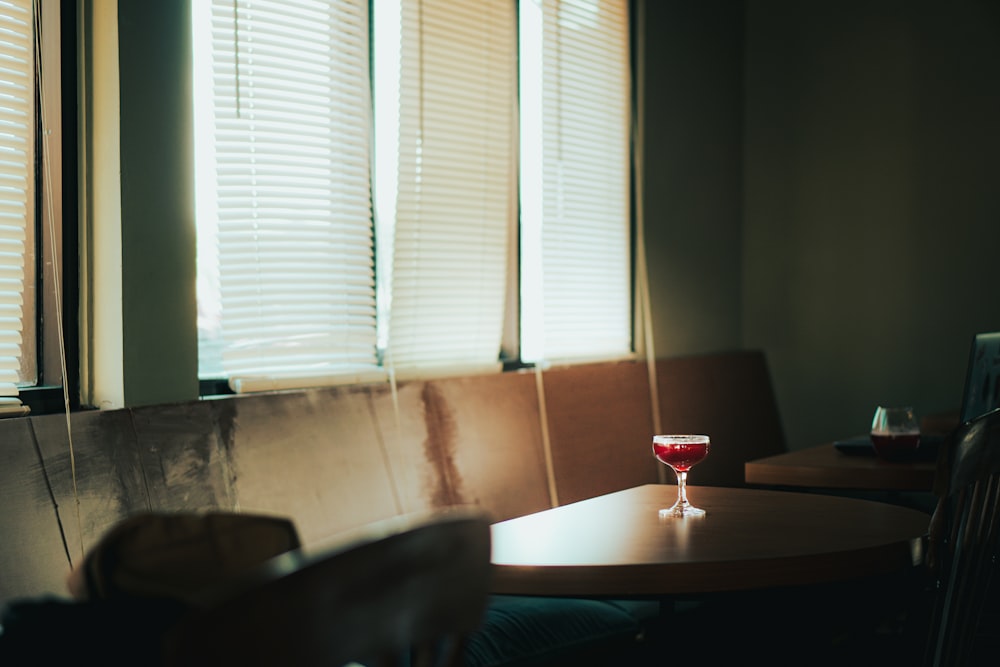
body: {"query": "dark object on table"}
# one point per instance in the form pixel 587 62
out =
pixel 861 445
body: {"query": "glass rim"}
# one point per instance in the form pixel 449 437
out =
pixel 686 438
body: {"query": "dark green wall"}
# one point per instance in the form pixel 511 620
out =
pixel 820 183
pixel 872 220
pixel 693 170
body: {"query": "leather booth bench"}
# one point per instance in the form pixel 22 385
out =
pixel 337 458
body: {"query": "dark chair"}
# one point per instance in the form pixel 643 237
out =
pixel 963 549
pixel 407 591
pixel 981 392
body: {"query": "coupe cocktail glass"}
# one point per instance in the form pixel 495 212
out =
pixel 681 453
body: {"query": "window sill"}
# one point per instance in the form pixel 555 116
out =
pixel 45 400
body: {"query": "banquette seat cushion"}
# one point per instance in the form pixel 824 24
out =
pixel 530 631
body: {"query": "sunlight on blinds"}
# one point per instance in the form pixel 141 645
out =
pixel 456 140
pixel 575 215
pixel 285 242
pixel 17 163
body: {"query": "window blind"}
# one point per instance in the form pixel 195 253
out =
pixel 286 255
pixel 17 164
pixel 575 215
pixel 456 179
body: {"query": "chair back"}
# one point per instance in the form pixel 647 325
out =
pixel 406 591
pixel 964 541
pixel 981 392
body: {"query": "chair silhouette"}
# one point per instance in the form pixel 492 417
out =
pixel 407 591
pixel 963 546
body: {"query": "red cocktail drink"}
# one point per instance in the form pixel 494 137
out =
pixel 680 455
pixel 895 446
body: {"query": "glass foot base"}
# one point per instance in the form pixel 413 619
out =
pixel 681 511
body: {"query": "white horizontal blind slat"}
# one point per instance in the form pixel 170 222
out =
pixel 575 286
pixel 286 277
pixel 456 128
pixel 17 131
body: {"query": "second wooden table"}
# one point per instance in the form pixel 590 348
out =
pixel 824 467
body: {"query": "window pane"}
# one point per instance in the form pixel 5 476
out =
pixel 286 248
pixel 575 217
pixel 17 211
pixel 286 279
pixel 455 183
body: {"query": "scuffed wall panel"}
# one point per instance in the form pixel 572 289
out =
pixel 332 460
pixel 403 432
pixel 473 440
pixel 185 464
pixel 33 558
pixel 108 484
pixel 312 456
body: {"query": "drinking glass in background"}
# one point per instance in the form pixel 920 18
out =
pixel 895 433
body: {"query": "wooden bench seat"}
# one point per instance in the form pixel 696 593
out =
pixel 336 458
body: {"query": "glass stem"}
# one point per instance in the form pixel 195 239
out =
pixel 682 493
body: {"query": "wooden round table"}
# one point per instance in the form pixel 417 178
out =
pixel 617 545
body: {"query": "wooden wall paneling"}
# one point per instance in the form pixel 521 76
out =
pixel 600 421
pixel 313 456
pixel 401 432
pixel 185 465
pixel 33 555
pixel 109 484
pixel 729 397
pixel 467 441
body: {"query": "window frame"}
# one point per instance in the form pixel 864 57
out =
pixel 54 393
